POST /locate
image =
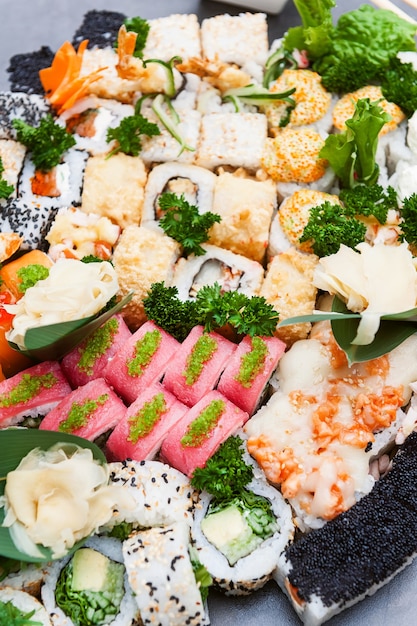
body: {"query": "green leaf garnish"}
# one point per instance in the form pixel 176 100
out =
pixel 128 134
pixel 15 444
pixel 53 341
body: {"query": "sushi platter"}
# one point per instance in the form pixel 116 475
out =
pixel 208 313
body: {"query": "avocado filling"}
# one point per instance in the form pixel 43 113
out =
pixel 236 528
pixel 90 588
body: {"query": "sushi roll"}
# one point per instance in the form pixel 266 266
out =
pixel 32 392
pixel 114 188
pixel 28 108
pixel 12 155
pixel 233 272
pixel 162 494
pixel 139 434
pixel 198 364
pixel 336 566
pixel 240 541
pixel 173 35
pixel 246 207
pixel 60 186
pixel 142 257
pixel 197 436
pixel 195 183
pixel 88 411
pixel 20 606
pixel 87 360
pixel 141 361
pixel 160 573
pixel 90 587
pixel 245 378
pixel 232 139
pixel 29 219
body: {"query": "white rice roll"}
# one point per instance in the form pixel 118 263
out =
pixel 233 272
pixel 160 573
pixel 195 183
pixel 12 154
pixel 163 495
pixel 26 603
pixel 173 35
pixel 30 108
pixel 250 572
pixel 29 577
pixel 109 547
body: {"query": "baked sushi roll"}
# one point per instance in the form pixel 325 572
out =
pixel 246 207
pixel 161 575
pixel 141 361
pixel 142 257
pixel 245 378
pixel 88 411
pixel 32 392
pixel 145 424
pixel 114 188
pixel 90 587
pixel 87 360
pixel 19 605
pixel 198 364
pixel 336 566
pixel 232 139
pixel 195 183
pixel 162 494
pixel 233 272
pixel 200 432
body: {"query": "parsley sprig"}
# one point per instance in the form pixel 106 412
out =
pixel 47 142
pixel 184 223
pixel 128 134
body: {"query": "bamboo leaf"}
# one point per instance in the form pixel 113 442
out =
pixel 52 342
pixel 15 444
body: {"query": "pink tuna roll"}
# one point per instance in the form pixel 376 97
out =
pixel 247 374
pixel 147 421
pixel 87 360
pixel 33 391
pixel 87 412
pixel 141 361
pixel 198 364
pixel 197 436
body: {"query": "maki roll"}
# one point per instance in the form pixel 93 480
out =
pixel 88 411
pixel 160 573
pixel 233 272
pixel 29 219
pixel 29 108
pixel 90 587
pixel 87 360
pixel 32 392
pixel 245 378
pixel 162 494
pixel 140 432
pixel 198 364
pixel 195 183
pixel 141 361
pixel 197 436
pixel 22 608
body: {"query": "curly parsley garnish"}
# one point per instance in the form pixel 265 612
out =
pixel 47 142
pixel 183 222
pixel 128 134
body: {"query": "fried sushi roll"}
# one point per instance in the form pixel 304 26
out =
pixel 233 272
pixel 161 575
pixel 336 566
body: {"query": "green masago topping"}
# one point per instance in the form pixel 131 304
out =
pixel 27 388
pixel 145 348
pixel 79 414
pixel 200 428
pixel 10 615
pixel 30 275
pixel 252 363
pixel 96 345
pixel 90 588
pixel 143 422
pixel 202 352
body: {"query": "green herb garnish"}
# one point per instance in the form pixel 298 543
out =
pixel 47 142
pixel 128 134
pixel 6 190
pixel 141 27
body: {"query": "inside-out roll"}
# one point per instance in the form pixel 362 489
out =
pixel 26 607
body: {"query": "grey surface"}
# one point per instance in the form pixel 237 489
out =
pixel 26 25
